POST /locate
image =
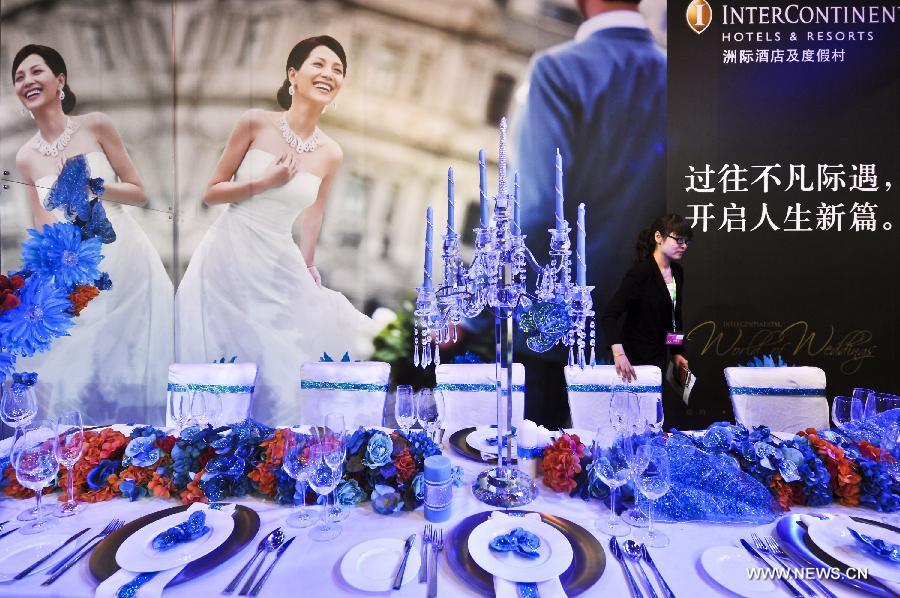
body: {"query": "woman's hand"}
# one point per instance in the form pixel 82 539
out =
pixel 624 369
pixel 314 272
pixel 279 172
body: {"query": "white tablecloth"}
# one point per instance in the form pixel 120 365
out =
pixel 316 565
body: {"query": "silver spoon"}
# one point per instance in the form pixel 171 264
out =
pixel 259 550
pixel 633 551
pixel 273 542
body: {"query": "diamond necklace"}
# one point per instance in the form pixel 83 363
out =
pixel 294 140
pixel 54 149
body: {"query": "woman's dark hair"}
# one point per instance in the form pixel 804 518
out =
pixel 670 224
pixel 298 56
pixel 55 63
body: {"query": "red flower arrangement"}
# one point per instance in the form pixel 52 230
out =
pixel 845 478
pixel 561 462
pixel 406 466
pixel 8 287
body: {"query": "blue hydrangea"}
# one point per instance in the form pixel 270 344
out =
pixel 59 253
pixel 385 500
pixel 349 494
pixel 422 446
pixel 42 316
pixel 378 451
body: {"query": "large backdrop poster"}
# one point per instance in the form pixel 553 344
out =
pixel 783 125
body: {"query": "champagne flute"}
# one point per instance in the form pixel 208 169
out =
pixel 653 482
pixel 612 469
pixel 656 415
pixel 18 407
pixel 632 441
pixel 624 408
pixel 36 466
pixel 179 405
pixel 429 409
pixel 405 408
pixel 297 466
pixel 69 446
pixel 323 478
pixel 335 423
pixel 199 410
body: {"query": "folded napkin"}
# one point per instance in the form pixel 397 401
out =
pixel 132 584
pixel 190 530
pixel 552 588
pixel 877 547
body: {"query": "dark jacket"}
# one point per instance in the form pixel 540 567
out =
pixel 640 314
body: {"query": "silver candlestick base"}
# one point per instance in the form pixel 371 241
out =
pixel 504 487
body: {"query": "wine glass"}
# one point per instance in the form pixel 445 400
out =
pixel 200 407
pixel 612 469
pixel 429 411
pixel 323 478
pixel 845 410
pixel 179 405
pixel 18 407
pixel 405 408
pixel 624 408
pixel 632 441
pixel 335 423
pixel 297 466
pixel 653 482
pixel 69 446
pixel 36 466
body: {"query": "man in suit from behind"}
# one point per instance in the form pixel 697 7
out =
pixel 600 99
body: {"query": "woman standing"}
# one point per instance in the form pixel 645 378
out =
pixel 113 366
pixel 249 290
pixel 643 322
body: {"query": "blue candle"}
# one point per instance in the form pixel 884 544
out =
pixel 560 218
pixel 517 224
pixel 438 488
pixel 450 201
pixel 429 239
pixel 580 264
pixel 482 189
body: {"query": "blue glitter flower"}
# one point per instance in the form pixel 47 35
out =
pixel 141 452
pixel 70 191
pixel 385 500
pixel 98 476
pixel 96 224
pixel 97 186
pixel 349 494
pixel 130 490
pixel 421 445
pixel 103 283
pixel 58 252
pixel 378 451
pixel 42 316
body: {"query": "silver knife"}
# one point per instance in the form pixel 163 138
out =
pixel 398 580
pixel 262 580
pixel 788 585
pixel 46 557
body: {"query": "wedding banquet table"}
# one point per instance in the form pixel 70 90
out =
pixel 314 567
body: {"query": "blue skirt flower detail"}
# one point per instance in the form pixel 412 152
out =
pixel 58 252
pixel 42 316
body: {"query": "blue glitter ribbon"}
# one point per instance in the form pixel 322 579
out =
pixel 790 392
pixel 129 590
pixel 527 590
pixel 210 388
pixel 475 387
pixel 355 386
pixel 612 388
pixel 529 453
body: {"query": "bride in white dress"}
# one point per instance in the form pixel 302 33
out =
pixel 249 290
pixel 113 365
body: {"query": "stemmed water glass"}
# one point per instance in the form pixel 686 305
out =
pixel 405 408
pixel 632 441
pixel 205 408
pixel 624 410
pixel 653 482
pixel 323 478
pixel 845 410
pixel 18 407
pixel 429 411
pixel 36 466
pixel 179 405
pixel 69 446
pixel 612 469
pixel 297 466
pixel 335 423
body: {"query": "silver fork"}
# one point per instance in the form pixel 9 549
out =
pixel 423 566
pixel 763 548
pixel 437 544
pixel 777 549
pixel 110 527
pixel 73 558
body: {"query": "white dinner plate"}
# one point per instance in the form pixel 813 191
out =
pixel 372 565
pixel 19 551
pixel 832 536
pixel 555 552
pixel 729 567
pixel 478 440
pixel 137 553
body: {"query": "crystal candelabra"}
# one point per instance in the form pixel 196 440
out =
pixel 557 311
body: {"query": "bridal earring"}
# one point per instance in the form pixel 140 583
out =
pixel 291 89
pixel 62 94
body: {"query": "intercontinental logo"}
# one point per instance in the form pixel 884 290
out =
pixel 699 15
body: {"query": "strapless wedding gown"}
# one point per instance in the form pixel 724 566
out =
pixel 247 292
pixel 113 365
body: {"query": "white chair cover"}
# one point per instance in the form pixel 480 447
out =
pixel 357 389
pixel 470 394
pixel 590 393
pixel 233 382
pixel 787 399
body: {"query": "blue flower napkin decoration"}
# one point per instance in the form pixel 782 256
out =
pixel 519 541
pixel 190 530
pixel 877 547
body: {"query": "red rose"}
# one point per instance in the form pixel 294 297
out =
pixel 8 287
pixel 406 466
pixel 166 444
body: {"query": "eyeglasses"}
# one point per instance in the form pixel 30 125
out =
pixel 681 241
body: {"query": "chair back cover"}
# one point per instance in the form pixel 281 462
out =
pixel 470 394
pixel 357 389
pixel 233 382
pixel 787 399
pixel 590 393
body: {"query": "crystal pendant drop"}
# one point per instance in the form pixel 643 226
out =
pixel 416 347
pixel 437 354
pixel 571 357
pixel 426 354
